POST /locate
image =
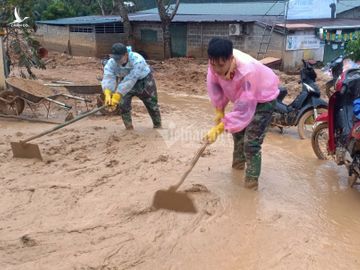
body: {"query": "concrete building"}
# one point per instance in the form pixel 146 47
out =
pixel 319 40
pixel 83 36
pixel 194 25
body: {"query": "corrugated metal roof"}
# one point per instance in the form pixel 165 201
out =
pixel 259 8
pixel 83 20
pixel 199 18
pixel 155 18
pixel 203 12
pixel 274 8
pixel 342 6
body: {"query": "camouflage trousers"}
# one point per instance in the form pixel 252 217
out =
pixel 247 143
pixel 146 91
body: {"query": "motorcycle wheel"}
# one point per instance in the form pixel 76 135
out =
pixel 319 141
pixel 306 123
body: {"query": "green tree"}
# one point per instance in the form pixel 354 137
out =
pixel 58 9
pixel 21 48
pixel 353 49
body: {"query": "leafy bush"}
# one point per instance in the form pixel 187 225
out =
pixel 353 47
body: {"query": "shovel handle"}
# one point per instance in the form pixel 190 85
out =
pixel 193 162
pixel 64 124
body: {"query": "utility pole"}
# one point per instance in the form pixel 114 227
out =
pixel 283 47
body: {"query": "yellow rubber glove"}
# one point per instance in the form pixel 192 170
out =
pixel 116 98
pixel 107 94
pixel 213 133
pixel 219 114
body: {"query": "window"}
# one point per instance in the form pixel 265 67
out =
pixel 109 28
pixel 148 35
pixel 81 28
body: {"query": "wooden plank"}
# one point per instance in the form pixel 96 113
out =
pixel 271 62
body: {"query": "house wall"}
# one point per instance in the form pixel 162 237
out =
pixel 53 37
pixel 154 49
pixel 199 35
pixel 255 36
pixel 58 38
pixel 104 42
pixel 248 41
pixel 83 44
pixel 292 60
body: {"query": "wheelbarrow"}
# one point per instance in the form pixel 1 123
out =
pixel 32 93
pixel 86 90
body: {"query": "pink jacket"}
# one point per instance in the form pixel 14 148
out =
pixel 252 83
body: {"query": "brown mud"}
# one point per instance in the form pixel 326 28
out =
pixel 88 205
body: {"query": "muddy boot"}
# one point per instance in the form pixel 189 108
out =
pixel 238 165
pixel 126 117
pixel 155 117
pixel 129 127
pixel 251 183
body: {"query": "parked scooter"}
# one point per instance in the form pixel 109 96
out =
pixel 304 109
pixel 337 132
pixel 335 69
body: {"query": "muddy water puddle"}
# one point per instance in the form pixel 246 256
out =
pixel 303 216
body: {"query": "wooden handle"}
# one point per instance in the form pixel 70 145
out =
pixel 64 124
pixel 193 162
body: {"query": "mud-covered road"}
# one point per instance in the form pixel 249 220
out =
pixel 87 206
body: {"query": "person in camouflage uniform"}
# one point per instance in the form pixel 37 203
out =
pixel 137 80
pixel 247 143
pixel 252 87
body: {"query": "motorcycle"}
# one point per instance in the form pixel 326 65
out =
pixel 335 68
pixel 337 132
pixel 304 109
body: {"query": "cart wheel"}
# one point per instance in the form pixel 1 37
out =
pixel 100 102
pixel 16 106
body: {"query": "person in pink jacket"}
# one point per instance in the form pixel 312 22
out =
pixel 236 77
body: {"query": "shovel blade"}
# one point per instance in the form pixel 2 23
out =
pixel 25 150
pixel 174 201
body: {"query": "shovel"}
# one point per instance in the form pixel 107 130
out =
pixel 23 149
pixel 178 201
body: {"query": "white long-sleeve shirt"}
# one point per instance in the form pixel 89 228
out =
pixel 135 69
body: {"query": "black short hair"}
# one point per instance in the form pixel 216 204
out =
pixel 220 48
